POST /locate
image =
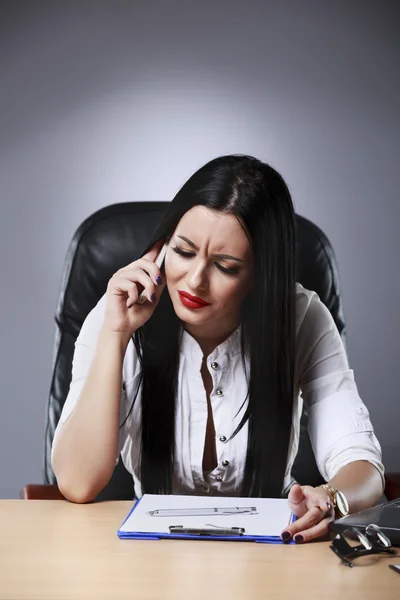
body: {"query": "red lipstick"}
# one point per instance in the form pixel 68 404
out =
pixel 191 301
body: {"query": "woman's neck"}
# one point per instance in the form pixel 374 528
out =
pixel 209 340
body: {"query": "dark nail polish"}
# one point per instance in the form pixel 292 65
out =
pixel 153 297
pixel 298 539
pixel 285 536
pixel 158 280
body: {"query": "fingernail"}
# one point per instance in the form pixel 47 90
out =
pixel 158 280
pixel 329 505
pixel 153 297
pixel 298 539
pixel 285 536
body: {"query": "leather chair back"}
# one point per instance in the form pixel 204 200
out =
pixel 113 237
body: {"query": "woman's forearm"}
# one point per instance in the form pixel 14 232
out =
pixel 86 448
pixel 361 483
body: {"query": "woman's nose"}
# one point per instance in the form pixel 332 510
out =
pixel 197 279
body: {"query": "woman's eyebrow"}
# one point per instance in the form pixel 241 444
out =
pixel 226 256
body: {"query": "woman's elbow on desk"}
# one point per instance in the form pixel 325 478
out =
pixel 77 493
pixel 78 487
pixel 75 496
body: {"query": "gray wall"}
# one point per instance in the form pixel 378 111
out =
pixel 116 101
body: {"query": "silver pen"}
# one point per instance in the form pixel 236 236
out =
pixel 202 512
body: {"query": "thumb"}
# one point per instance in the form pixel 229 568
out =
pixel 296 500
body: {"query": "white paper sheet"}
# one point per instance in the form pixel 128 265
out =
pixel 273 514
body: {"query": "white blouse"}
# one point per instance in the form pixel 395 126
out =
pixel 339 425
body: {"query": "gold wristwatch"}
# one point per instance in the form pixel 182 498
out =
pixel 339 500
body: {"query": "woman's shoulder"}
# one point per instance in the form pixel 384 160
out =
pixel 304 298
pixel 310 307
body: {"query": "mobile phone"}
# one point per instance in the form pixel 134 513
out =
pixel 159 262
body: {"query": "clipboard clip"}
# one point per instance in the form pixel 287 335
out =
pixel 207 530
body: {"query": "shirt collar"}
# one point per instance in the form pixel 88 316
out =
pixel 230 347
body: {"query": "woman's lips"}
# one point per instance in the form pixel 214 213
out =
pixel 192 301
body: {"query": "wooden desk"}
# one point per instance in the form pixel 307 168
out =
pixel 57 550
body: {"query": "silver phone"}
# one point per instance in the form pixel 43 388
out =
pixel 159 262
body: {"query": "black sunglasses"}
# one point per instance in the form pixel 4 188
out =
pixel 372 541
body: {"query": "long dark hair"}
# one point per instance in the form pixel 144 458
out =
pixel 258 196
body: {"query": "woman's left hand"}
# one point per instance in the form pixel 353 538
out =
pixel 313 509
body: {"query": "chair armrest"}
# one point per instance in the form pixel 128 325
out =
pixel 35 491
pixel 392 486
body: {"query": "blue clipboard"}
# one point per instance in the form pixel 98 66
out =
pixel 137 535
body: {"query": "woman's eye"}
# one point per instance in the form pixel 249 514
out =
pixel 227 270
pixel 188 254
pixel 183 252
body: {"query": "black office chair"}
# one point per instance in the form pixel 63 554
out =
pixel 113 237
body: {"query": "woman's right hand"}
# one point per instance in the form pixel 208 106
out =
pixel 122 315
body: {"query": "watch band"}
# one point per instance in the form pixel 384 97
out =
pixel 332 491
pixel 339 500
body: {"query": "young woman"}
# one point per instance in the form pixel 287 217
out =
pixel 199 388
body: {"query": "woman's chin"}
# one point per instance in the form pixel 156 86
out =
pixel 190 316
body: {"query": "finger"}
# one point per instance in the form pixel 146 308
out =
pixel 147 289
pixel 152 254
pixel 325 504
pixel 138 276
pixel 296 500
pixel 318 497
pixel 311 518
pixel 313 532
pixel 145 265
pixel 296 493
pixel 133 288
pixel 119 286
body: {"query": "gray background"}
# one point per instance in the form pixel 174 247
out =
pixel 105 102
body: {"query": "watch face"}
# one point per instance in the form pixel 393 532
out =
pixel 342 504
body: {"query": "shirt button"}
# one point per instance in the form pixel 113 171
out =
pixel 218 478
pixel 225 463
pixel 214 365
pixel 220 393
pixel 222 438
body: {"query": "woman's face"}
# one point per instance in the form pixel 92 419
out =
pixel 208 270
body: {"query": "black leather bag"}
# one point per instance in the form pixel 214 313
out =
pixel 115 236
